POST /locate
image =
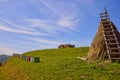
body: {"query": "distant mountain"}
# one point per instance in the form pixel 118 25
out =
pixel 3 58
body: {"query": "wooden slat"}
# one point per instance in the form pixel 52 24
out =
pixel 110 39
pixel 109 35
pixel 106 25
pixel 112 43
pixel 115 53
pixel 104 16
pixel 115 58
pixel 103 13
pixel 106 22
pixel 105 19
pixel 108 31
pixel 113 48
pixel 107 28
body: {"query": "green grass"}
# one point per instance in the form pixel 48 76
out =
pixel 60 64
pixel 2 76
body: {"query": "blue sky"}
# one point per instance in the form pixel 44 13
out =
pixel 27 25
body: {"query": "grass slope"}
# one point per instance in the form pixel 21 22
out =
pixel 2 76
pixel 59 64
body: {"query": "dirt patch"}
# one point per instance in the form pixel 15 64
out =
pixel 14 73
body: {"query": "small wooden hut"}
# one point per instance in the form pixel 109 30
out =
pixel 66 46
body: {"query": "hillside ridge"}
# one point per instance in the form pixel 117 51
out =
pixel 59 64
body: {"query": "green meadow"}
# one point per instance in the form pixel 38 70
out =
pixel 59 64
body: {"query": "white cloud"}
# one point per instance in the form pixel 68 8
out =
pixel 46 43
pixel 41 43
pixel 37 22
pixel 5 22
pixel 65 14
pixel 32 43
pixel 64 24
pixel 48 5
pixel 38 40
pixel 8 29
pixel 68 22
pixel 6 25
pixel 44 25
pixel 7 50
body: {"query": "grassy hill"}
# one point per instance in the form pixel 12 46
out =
pixel 59 64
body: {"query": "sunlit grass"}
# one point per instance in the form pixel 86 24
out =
pixel 62 64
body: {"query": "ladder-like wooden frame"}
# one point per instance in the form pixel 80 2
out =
pixel 110 37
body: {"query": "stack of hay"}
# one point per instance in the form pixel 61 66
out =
pixel 98 48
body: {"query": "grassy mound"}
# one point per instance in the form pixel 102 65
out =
pixel 59 64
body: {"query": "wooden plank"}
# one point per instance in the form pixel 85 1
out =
pixel 107 28
pixel 105 19
pixel 107 25
pixel 110 39
pixel 109 35
pixel 113 48
pixel 115 58
pixel 114 53
pixel 108 31
pixel 113 43
pixel 106 22
pixel 103 13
